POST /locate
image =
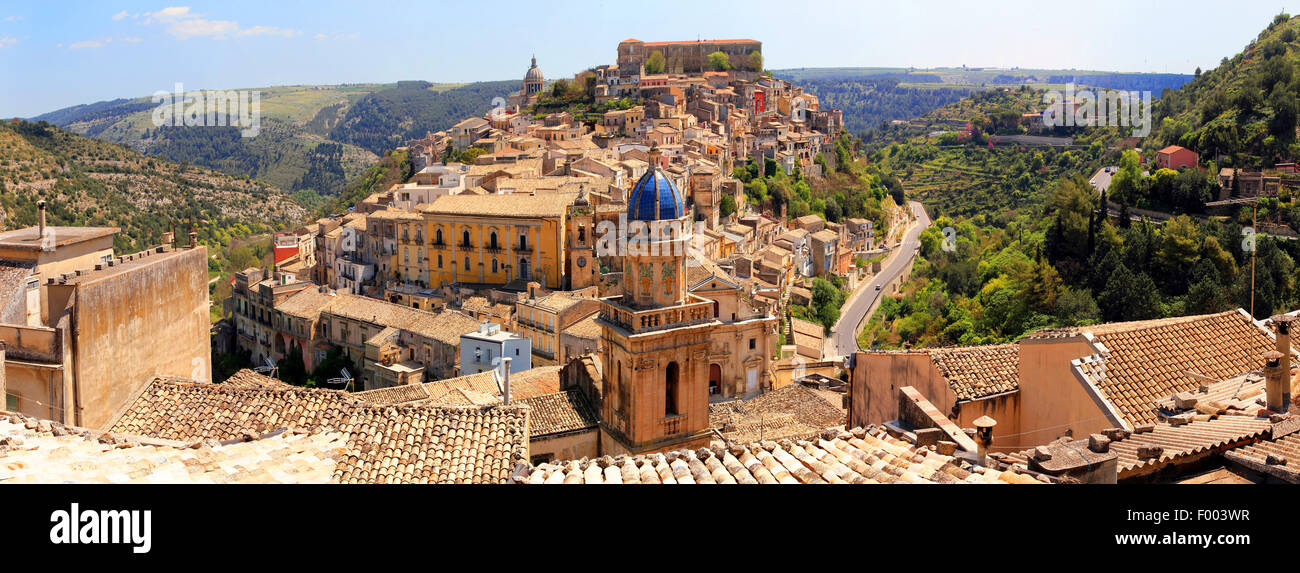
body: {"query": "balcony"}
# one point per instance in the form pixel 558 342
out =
pixel 493 249
pixel 523 248
pixel 465 246
pixel 440 245
pixel 696 311
pixel 672 425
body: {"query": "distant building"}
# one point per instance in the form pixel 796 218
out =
pixel 483 349
pixel 533 80
pixel 1176 157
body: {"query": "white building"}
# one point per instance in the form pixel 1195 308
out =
pixel 483 349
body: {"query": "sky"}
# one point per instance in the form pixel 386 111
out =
pixel 58 54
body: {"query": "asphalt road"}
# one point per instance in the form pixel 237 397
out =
pixel 844 336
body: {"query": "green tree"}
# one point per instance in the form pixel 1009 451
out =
pixel 1129 296
pixel 756 61
pixel 655 63
pixel 727 206
pixel 719 62
pixel 826 302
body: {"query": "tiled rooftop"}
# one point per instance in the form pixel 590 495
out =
pixel 1149 360
pixel 41 451
pixel 512 205
pixel 406 443
pixel 865 455
pixel 977 371
pixel 1176 443
pixel 792 411
pixel 1256 456
pixel 558 413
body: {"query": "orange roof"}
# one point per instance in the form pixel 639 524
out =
pixel 700 42
pixel 1174 148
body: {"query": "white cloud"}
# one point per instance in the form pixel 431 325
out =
pixel 131 40
pixel 120 15
pixel 13 18
pixel 269 31
pixel 182 23
pixel 84 44
pixel 6 41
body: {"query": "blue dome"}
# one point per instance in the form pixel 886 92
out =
pixel 655 198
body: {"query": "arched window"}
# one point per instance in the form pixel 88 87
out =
pixel 494 263
pixel 466 263
pixel 465 238
pixel 439 260
pixel 492 239
pixel 670 390
pixel 438 234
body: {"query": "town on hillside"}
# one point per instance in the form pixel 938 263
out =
pixel 660 271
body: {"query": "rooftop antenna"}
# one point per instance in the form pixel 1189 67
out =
pixel 345 378
pixel 268 367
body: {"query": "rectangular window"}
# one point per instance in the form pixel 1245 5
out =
pixel 752 344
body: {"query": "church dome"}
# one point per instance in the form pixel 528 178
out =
pixel 534 73
pixel 655 198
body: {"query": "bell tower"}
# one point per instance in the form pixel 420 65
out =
pixel 656 358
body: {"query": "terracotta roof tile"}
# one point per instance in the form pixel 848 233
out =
pixel 865 455
pixel 977 371
pixel 559 413
pixel 1177 443
pixel 792 411
pixel 41 451
pixel 1149 360
pixel 407 443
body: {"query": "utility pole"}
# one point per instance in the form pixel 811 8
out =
pixel 1254 222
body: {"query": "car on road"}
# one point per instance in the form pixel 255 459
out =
pixel 878 287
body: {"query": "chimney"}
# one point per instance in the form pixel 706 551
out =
pixel 41 205
pixel 1275 381
pixel 505 384
pixel 984 435
pixel 1282 323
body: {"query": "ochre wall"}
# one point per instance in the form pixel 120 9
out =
pixel 151 320
pixel 1052 400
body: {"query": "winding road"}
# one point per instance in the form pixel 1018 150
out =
pixel 843 338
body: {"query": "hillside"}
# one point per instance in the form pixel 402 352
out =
pixel 955 174
pixel 312 138
pixel 89 182
pixel 1243 111
pixel 872 96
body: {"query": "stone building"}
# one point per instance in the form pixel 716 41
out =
pixel 533 80
pixel 657 336
pixel 108 328
pixel 684 57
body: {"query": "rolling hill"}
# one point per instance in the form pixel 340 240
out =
pixel 312 138
pixel 872 96
pixel 90 182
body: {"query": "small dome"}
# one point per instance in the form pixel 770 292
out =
pixel 655 198
pixel 534 73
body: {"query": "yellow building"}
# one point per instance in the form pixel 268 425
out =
pixel 495 239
